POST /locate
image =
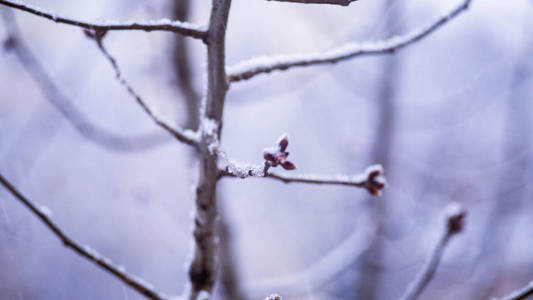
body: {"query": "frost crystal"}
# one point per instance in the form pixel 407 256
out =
pixel 243 170
pixel 210 130
pixel 274 297
pixel 45 210
pixel 91 251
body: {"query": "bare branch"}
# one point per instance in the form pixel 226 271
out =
pixel 65 106
pixel 372 179
pixel 134 282
pixel 183 28
pixel 252 67
pixel 335 2
pixel 203 268
pixel 182 61
pixel 186 136
pixel 454 217
pixel 521 293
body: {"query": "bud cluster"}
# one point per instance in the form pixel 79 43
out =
pixel 278 155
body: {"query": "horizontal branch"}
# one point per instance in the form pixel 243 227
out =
pixel 184 28
pixel 253 67
pixel 134 282
pixel 65 106
pixel 521 293
pixel 454 218
pixel 186 136
pixel 372 179
pixel 334 2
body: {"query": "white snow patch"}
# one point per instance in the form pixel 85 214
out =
pixel 45 210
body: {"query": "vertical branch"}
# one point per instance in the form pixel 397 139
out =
pixel 454 222
pixel 182 67
pixel 367 286
pixel 202 271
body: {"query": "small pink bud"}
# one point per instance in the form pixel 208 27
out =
pixel 269 156
pixel 283 143
pixel 287 165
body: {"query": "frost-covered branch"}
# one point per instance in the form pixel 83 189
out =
pixel 372 179
pixel 335 2
pixel 521 293
pixel 203 267
pixel 186 136
pixel 255 66
pixel 454 219
pixel 65 106
pixel 86 252
pixel 183 28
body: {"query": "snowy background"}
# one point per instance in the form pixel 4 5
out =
pixel 459 114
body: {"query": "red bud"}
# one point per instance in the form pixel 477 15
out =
pixel 287 165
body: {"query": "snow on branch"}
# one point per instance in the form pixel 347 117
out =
pixel 60 101
pixel 372 179
pixel 186 136
pixel 86 252
pixel 522 293
pixel 454 218
pixel 267 64
pixel 184 28
pixel 335 2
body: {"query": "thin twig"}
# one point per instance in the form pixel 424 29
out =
pixel 335 2
pixel 65 106
pixel 183 28
pixel 134 282
pixel 186 136
pixel 252 67
pixel 521 293
pixel 454 217
pixel 372 179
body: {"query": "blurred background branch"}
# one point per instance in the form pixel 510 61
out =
pixel 255 66
pixel 86 252
pixel 186 29
pixel 93 132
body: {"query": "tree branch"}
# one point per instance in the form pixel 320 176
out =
pixel 372 179
pixel 183 28
pixel 335 2
pixel 253 67
pixel 65 106
pixel 186 136
pixel 454 217
pixel 203 268
pixel 521 293
pixel 134 282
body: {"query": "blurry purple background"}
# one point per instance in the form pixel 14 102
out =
pixel 459 107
